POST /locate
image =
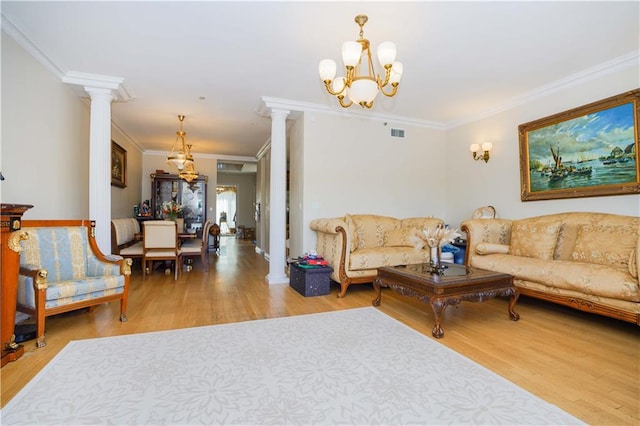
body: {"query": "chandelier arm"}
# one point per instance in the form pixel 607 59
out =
pixel 387 75
pixel 327 85
pixel 342 104
pixel 366 105
pixel 393 91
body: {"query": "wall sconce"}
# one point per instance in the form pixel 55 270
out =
pixel 486 147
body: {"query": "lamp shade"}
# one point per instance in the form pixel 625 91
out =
pixel 487 146
pixel 363 89
pixel 351 51
pixel 327 69
pixel 474 147
pixel 177 160
pixel 386 53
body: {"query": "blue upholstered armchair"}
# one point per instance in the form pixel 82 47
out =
pixel 62 269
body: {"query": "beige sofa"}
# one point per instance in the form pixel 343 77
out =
pixel 588 261
pixel 356 245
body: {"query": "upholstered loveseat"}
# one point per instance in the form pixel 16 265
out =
pixel 588 261
pixel 62 269
pixel 356 245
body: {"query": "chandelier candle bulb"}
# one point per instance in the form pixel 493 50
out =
pixel 327 69
pixel 386 53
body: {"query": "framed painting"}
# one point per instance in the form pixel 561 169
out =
pixel 118 165
pixel 588 151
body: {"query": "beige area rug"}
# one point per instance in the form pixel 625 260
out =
pixel 356 366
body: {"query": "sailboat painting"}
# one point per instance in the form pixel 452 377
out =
pixel 587 151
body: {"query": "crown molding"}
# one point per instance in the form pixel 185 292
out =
pixel 96 81
pixel 614 65
pixel 268 103
pixel 23 41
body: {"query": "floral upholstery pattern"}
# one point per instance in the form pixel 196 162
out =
pixel 356 245
pixel 400 237
pixel 534 238
pixel 605 245
pixel 592 264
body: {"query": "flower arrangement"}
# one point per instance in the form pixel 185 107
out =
pixel 171 210
pixel 434 237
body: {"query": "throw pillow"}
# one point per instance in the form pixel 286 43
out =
pixel 605 245
pixel 491 248
pixel 534 238
pixel 400 237
pixel 370 229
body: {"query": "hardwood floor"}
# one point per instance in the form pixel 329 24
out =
pixel 586 364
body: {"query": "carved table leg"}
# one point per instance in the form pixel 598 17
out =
pixel 438 308
pixel 378 290
pixel 512 304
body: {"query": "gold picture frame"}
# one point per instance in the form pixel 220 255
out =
pixel 588 151
pixel 118 166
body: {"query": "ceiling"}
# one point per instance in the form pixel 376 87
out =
pixel 214 61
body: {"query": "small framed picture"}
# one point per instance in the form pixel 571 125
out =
pixel 118 165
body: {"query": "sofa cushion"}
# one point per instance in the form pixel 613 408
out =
pixel 588 278
pixel 534 238
pixel 373 258
pixel 605 245
pixel 370 229
pixel 400 237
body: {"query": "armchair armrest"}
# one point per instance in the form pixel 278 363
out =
pixel 37 275
pixel 333 243
pixel 328 226
pixel 493 231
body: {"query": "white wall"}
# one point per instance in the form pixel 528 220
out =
pixel 353 165
pixel 472 184
pixel 123 199
pixel 45 139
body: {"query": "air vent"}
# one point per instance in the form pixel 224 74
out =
pixel 397 133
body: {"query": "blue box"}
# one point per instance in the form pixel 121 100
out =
pixel 311 281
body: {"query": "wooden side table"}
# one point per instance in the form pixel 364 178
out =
pixel 11 236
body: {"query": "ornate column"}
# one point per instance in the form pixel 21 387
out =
pixel 278 202
pixel 102 90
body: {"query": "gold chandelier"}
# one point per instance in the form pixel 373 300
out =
pixel 360 83
pixel 182 157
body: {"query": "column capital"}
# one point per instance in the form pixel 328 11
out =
pixel 95 83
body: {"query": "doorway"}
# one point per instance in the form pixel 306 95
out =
pixel 227 206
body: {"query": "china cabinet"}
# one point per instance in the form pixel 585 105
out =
pixel 192 196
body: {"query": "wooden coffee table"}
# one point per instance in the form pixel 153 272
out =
pixel 458 283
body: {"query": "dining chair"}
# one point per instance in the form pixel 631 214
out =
pixel 199 247
pixel 160 242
